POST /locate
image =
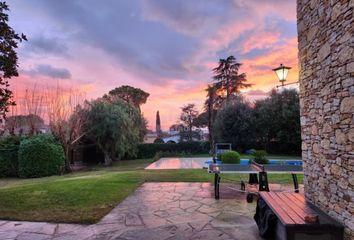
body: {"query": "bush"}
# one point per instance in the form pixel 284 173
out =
pixel 158 140
pixel 260 156
pixel 40 156
pixel 9 156
pixel 148 150
pixel 230 157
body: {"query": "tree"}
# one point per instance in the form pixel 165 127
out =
pixel 277 121
pixel 158 125
pixel 112 127
pixel 227 79
pixel 62 107
pixel 210 106
pixel 202 120
pixel 188 116
pixel 132 95
pixel 233 124
pixel 9 40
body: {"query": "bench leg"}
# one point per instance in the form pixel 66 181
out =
pixel 217 186
pixel 296 184
pixel 263 182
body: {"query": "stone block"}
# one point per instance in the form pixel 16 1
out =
pixel 351 135
pixel 341 138
pixel 347 105
pixel 350 67
pixel 324 51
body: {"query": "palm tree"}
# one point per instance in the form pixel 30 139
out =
pixel 227 79
pixel 209 107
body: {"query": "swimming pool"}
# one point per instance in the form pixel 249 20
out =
pixel 271 162
pixel 203 162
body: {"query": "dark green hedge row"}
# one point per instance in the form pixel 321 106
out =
pixel 148 150
pixel 36 156
pixel 40 156
pixel 9 156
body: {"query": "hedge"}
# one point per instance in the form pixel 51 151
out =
pixel 40 156
pixel 148 150
pixel 9 156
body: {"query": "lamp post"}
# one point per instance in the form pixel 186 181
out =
pixel 282 72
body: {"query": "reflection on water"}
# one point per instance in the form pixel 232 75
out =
pixel 178 163
pixel 198 163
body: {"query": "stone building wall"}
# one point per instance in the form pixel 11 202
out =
pixel 326 62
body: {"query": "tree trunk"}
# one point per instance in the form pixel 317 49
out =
pixel 107 158
pixel 227 91
pixel 67 159
pixel 190 134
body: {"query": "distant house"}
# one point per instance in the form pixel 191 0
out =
pixel 25 124
pixel 175 133
pixel 177 128
pixel 150 137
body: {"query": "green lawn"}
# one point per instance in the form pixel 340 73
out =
pixel 85 197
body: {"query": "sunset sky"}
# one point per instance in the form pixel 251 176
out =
pixel 165 47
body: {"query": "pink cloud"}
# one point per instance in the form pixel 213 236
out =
pixel 260 40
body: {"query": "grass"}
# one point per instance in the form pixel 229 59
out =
pixel 85 197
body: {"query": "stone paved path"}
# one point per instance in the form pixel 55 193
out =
pixel 156 211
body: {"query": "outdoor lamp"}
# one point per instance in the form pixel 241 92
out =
pixel 281 72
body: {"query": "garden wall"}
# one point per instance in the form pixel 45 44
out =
pixel 326 62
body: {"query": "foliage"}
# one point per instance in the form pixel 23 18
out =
pixel 272 123
pixel 227 79
pixel 113 127
pixel 158 125
pixel 132 95
pixel 230 157
pixel 201 120
pixel 211 105
pixel 161 154
pixel 8 59
pixel 40 156
pixel 188 117
pixel 260 156
pixel 233 124
pixel 9 156
pixel 277 122
pixel 148 150
pixel 158 140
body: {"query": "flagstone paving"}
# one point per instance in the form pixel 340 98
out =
pixel 166 211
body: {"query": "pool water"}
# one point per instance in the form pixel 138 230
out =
pixel 271 162
pixel 202 162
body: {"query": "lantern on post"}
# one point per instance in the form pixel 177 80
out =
pixel 282 72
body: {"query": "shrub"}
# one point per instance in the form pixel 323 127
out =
pixel 158 140
pixel 260 156
pixel 230 157
pixel 40 156
pixel 148 150
pixel 9 156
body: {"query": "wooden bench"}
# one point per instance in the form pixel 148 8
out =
pixel 291 210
